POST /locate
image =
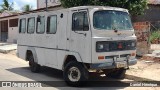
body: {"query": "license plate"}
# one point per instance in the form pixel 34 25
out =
pixel 121 64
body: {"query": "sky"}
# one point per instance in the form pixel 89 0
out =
pixel 18 4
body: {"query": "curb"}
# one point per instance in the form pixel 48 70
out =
pixel 6 51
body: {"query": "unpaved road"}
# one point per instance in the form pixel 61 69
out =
pixel 144 71
pixel 15 69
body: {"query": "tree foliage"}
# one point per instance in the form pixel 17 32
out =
pixel 27 8
pixel 6 6
pixel 135 7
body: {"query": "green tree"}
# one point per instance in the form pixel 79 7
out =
pixel 135 7
pixel 27 8
pixel 6 6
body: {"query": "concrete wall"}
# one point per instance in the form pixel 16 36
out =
pixel 12 34
pixel 42 3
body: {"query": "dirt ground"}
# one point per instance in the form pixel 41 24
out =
pixel 144 71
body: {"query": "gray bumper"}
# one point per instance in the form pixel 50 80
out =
pixel 110 65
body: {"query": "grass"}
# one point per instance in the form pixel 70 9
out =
pixel 154 36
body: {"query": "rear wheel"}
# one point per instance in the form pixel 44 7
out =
pixel 33 65
pixel 75 74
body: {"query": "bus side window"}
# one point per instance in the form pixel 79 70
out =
pixel 22 26
pixel 80 21
pixel 52 24
pixel 40 24
pixel 31 25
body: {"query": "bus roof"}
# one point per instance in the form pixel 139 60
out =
pixel 99 7
pixel 79 8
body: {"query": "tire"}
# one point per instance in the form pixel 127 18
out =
pixel 75 74
pixel 118 74
pixel 33 65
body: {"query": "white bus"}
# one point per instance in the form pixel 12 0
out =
pixel 78 40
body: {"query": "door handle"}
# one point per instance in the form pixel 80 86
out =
pixel 85 34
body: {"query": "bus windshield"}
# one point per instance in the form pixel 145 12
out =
pixel 112 20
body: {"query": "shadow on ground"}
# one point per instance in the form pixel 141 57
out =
pixel 54 78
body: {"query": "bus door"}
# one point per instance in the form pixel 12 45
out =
pixel 80 34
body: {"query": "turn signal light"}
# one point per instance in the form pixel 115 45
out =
pixel 133 54
pixel 100 57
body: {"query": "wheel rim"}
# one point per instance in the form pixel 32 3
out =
pixel 74 74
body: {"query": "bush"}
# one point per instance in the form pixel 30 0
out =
pixel 135 7
pixel 155 37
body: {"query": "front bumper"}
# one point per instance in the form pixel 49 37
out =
pixel 111 65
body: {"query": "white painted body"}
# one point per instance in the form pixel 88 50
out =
pixel 52 49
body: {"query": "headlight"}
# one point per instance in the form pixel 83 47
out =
pixel 133 44
pixel 102 46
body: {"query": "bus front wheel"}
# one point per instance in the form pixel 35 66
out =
pixel 75 74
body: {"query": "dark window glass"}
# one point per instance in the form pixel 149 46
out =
pixel 41 24
pixel 13 22
pixel 22 26
pixel 52 24
pixel 80 21
pixel 31 25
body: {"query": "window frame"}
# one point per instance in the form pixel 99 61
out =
pixel 28 26
pixel 44 26
pixel 20 26
pixel 73 28
pixel 49 24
